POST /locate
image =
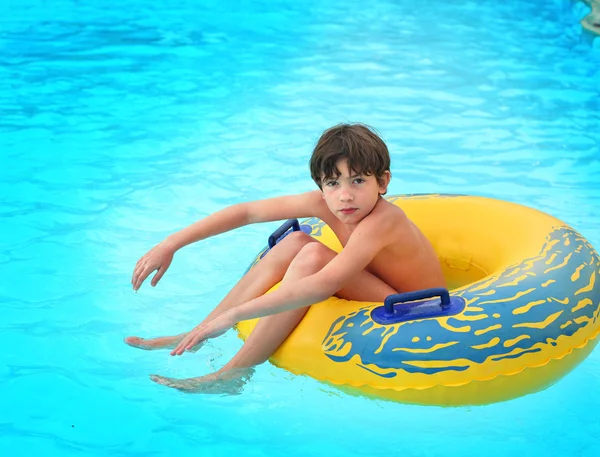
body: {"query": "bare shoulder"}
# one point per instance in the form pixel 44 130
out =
pixel 406 260
pixel 400 234
pixel 387 217
pixel 386 225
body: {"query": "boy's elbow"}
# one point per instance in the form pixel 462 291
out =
pixel 253 212
pixel 242 213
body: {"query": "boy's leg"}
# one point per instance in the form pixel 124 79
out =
pixel 271 331
pixel 264 275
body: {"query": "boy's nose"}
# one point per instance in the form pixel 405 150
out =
pixel 346 196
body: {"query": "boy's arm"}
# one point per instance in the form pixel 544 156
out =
pixel 160 257
pixel 232 217
pixel 368 239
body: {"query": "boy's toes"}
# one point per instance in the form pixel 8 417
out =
pixel 133 340
pixel 138 342
pixel 149 344
pixel 161 379
pixel 179 384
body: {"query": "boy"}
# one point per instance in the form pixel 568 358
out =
pixel 383 253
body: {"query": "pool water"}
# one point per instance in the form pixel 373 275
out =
pixel 123 122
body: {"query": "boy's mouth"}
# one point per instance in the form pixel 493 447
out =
pixel 348 210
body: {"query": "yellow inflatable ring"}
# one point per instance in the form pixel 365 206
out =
pixel 531 304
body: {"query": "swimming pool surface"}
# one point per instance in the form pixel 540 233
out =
pixel 121 122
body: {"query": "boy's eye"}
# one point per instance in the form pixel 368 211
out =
pixel 330 183
pixel 359 180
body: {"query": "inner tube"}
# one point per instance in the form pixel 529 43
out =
pixel 521 312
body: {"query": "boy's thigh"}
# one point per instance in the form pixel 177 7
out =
pixel 365 286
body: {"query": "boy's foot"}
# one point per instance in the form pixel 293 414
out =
pixel 162 342
pixel 229 383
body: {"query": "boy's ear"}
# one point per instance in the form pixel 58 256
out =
pixel 386 178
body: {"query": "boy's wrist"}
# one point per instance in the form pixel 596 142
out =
pixel 171 243
pixel 234 315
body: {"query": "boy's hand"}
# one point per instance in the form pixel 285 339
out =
pixel 211 329
pixel 158 258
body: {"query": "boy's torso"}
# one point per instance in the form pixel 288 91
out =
pixel 408 261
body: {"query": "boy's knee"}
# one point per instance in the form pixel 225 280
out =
pixel 296 239
pixel 315 254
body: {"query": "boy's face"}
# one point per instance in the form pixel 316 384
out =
pixel 351 197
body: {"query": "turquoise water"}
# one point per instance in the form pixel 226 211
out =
pixel 122 122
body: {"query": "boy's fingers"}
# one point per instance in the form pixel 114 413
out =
pixel 178 349
pixel 138 282
pixel 143 275
pixel 158 275
pixel 136 273
pixel 138 265
pixel 193 342
pixel 136 278
pixel 190 343
pixel 139 269
pixel 184 344
pixel 187 343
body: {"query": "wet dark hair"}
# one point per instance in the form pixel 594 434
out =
pixel 359 144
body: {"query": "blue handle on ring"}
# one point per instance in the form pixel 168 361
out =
pixel 277 234
pixel 394 299
pixel 446 305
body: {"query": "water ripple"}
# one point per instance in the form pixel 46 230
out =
pixel 122 122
